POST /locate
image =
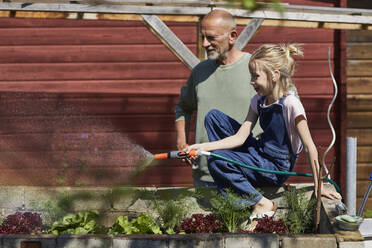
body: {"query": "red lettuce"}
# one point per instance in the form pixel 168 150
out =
pixel 198 223
pixel 21 223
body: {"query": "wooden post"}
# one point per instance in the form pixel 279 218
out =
pixel 200 49
pixel 340 70
pixel 248 32
pixel 169 39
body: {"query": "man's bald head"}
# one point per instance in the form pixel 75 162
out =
pixel 221 18
pixel 218 32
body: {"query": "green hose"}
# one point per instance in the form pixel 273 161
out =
pixel 271 171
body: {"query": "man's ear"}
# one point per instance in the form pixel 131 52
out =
pixel 233 36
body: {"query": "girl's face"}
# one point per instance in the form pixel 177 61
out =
pixel 261 83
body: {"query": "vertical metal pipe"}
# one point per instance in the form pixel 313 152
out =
pixel 351 165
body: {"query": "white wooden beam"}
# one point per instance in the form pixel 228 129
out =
pixel 291 12
pixel 200 3
pixel 160 29
pixel 170 40
pixel 248 32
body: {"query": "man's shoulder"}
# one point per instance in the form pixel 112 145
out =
pixel 246 57
pixel 207 63
pixel 210 63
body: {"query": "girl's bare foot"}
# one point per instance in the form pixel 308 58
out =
pixel 263 208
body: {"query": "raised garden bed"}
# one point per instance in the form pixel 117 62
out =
pixel 115 202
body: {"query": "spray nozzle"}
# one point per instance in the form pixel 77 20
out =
pixel 177 154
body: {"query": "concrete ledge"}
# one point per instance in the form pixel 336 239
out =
pixel 215 240
pixel 12 241
pixel 328 222
pixel 141 241
pixel 252 240
pixel 309 241
pixel 353 245
pixel 74 241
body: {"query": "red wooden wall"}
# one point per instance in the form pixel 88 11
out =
pixel 81 101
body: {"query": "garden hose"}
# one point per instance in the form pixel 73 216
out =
pixel 193 154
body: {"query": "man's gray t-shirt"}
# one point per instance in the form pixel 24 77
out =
pixel 212 86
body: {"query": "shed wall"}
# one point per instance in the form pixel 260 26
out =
pixel 83 102
pixel 359 100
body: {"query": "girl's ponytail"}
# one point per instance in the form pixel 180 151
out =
pixel 295 49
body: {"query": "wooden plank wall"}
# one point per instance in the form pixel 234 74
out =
pixel 80 134
pixel 97 95
pixel 359 100
pixel 359 91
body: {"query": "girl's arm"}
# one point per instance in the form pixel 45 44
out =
pixel 312 155
pixel 233 141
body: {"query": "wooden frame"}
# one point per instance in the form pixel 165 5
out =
pixel 293 15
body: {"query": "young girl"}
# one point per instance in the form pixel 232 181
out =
pixel 285 131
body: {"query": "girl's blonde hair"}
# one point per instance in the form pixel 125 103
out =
pixel 271 57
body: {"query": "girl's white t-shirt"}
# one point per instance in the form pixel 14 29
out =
pixel 292 109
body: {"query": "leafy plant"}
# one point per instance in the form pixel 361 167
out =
pixel 300 215
pixel 171 212
pixel 21 223
pixel 143 224
pixel 1 219
pixel 79 223
pixel 199 223
pixel 228 209
pixel 368 213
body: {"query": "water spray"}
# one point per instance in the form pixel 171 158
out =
pixel 195 153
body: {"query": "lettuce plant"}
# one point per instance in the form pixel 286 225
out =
pixel 200 223
pixel 21 223
pixel 143 224
pixel 79 223
pixel 269 225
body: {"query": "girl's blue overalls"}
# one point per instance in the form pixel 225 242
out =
pixel 272 150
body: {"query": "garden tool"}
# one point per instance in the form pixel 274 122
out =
pixel 176 154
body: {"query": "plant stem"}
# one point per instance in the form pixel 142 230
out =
pixel 318 198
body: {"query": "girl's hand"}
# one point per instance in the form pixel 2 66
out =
pixel 200 147
pixel 331 194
